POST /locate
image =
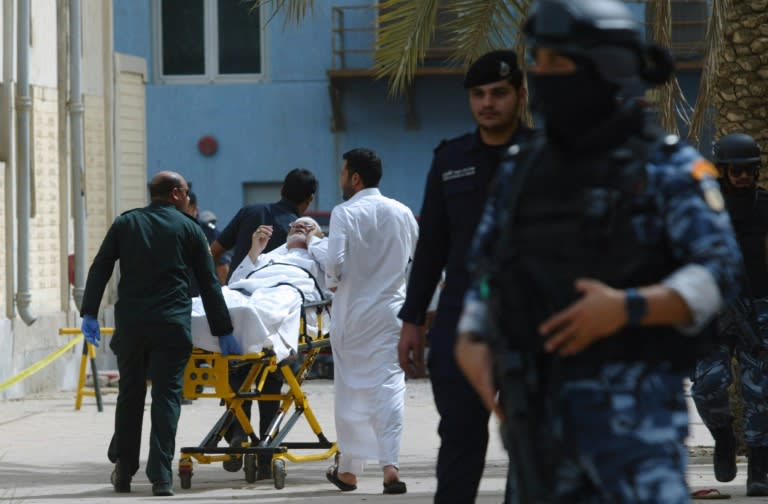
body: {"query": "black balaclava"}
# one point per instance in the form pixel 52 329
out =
pixel 572 105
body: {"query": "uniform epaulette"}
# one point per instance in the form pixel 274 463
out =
pixel 452 140
pixel 131 210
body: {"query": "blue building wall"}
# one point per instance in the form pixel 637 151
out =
pixel 265 129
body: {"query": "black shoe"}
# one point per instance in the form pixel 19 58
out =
pixel 395 487
pixel 757 489
pixel 757 472
pixel 120 480
pixel 725 454
pixel 235 462
pixel 162 489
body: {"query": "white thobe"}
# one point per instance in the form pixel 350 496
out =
pixel 371 240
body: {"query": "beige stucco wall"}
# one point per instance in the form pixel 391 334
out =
pixel 51 225
pixel 46 244
pixel 3 277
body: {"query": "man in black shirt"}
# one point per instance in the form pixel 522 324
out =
pixel 297 193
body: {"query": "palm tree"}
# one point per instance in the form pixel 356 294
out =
pixel 407 28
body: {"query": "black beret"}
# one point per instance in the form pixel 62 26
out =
pixel 492 67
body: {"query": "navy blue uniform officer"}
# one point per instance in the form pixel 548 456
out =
pixel 458 181
pixel 159 247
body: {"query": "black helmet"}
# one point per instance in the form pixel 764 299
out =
pixel 736 148
pixel 603 32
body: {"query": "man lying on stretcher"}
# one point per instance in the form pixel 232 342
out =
pixel 266 291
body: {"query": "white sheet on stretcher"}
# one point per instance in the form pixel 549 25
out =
pixel 270 317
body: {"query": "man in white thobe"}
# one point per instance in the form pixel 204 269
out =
pixel 371 239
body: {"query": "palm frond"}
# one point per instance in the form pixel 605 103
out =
pixel 295 10
pixel 478 26
pixel 671 100
pixel 715 44
pixel 404 32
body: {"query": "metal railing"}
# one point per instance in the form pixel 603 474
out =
pixel 354 28
pixel 353 39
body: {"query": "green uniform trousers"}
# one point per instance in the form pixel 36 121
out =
pixel 157 352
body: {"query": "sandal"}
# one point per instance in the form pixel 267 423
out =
pixel 709 493
pixel 395 487
pixel 332 474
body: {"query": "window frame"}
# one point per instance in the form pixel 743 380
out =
pixel 211 52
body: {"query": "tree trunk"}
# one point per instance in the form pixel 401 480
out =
pixel 742 80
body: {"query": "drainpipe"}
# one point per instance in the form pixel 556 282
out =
pixel 7 157
pixel 76 110
pixel 24 108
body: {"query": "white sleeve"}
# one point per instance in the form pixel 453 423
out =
pixel 318 250
pixel 696 285
pixel 246 267
pixel 337 242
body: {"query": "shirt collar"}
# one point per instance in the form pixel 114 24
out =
pixel 288 205
pixel 161 203
pixel 362 193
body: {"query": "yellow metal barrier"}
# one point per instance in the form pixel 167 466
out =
pixel 89 352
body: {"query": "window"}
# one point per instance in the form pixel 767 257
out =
pixel 208 40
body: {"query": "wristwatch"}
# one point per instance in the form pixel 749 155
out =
pixel 637 306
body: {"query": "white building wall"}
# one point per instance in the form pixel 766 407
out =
pixel 96 187
pixel 46 240
pixel 43 46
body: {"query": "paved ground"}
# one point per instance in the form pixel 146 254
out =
pixel 50 453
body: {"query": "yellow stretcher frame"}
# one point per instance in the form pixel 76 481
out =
pixel 208 371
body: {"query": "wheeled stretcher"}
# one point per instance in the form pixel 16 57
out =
pixel 208 375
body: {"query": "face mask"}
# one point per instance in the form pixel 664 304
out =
pixel 572 104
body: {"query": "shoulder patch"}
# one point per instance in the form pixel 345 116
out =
pixel 703 168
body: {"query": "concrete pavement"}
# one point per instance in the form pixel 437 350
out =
pixel 50 453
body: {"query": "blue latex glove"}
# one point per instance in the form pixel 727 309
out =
pixel 229 345
pixel 91 331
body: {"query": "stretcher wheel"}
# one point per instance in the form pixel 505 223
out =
pixel 186 480
pixel 278 473
pixel 249 466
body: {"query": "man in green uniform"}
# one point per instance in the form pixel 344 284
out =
pixel 160 249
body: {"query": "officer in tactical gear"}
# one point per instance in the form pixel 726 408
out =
pixel 742 327
pixel 603 253
pixel 457 186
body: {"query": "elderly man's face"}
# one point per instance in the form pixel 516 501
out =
pixel 299 232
